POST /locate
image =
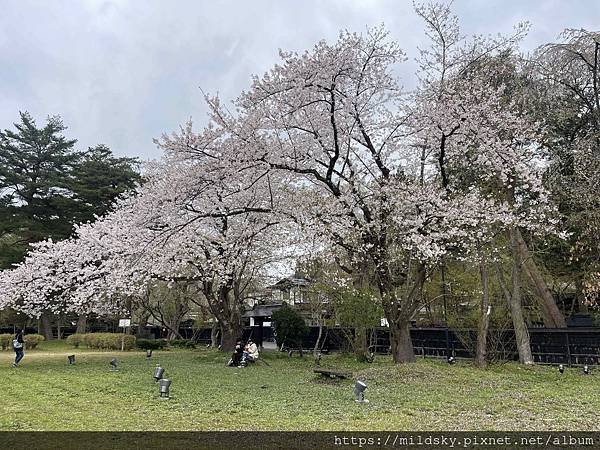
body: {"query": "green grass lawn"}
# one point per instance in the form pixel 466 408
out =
pixel 48 394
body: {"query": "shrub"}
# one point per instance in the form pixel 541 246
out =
pixel 108 341
pixel 129 342
pixel 182 343
pixel 356 310
pixel 88 340
pixel 75 340
pixel 94 340
pixel 5 341
pixel 32 340
pixel 151 344
pixel 289 326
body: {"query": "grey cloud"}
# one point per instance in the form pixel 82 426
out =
pixel 124 72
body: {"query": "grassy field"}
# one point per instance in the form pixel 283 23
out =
pixel 48 394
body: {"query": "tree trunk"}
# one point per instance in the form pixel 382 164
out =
pixel 81 324
pixel 172 335
pixel 553 318
pixel 521 332
pixel 398 312
pixel 173 328
pixel 361 346
pixel 58 327
pixel 484 318
pixel 142 331
pixel 401 343
pixel 214 334
pixel 226 309
pixel 318 342
pixel 46 327
pixel 514 301
pixel 231 332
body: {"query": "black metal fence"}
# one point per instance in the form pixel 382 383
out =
pixel 568 346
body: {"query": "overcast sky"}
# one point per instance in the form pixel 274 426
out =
pixel 123 72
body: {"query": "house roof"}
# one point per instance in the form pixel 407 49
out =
pixel 262 310
pixel 288 282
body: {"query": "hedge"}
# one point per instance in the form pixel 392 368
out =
pixel 5 341
pixel 32 340
pixel 75 339
pixel 104 341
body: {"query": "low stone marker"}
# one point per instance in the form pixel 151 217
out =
pixel 332 373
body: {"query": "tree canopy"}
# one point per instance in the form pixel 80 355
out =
pixel 47 186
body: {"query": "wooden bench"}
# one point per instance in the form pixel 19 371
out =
pixel 331 373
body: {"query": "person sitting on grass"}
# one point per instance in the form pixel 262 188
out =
pixel 236 358
pixel 251 352
pixel 18 346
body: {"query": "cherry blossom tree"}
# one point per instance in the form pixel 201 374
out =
pixel 192 221
pixel 375 167
pixel 473 123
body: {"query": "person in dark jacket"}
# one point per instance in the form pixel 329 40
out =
pixel 18 346
pixel 236 358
